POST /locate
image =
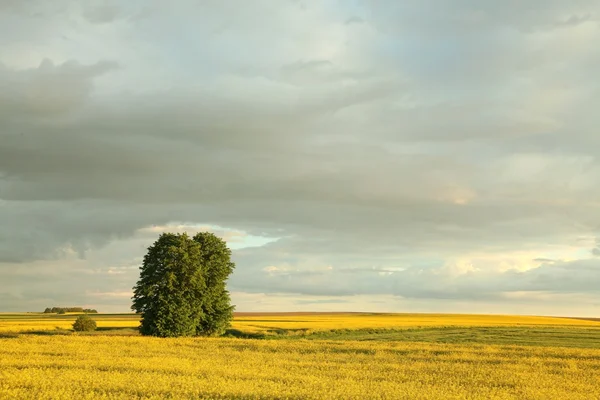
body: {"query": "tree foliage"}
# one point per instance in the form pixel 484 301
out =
pixel 84 323
pixel 62 310
pixel 182 286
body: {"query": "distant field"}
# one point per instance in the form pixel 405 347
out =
pixel 301 323
pixel 305 356
pixel 28 322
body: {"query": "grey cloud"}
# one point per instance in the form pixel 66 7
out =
pixel 385 149
pixel 45 229
pixel 72 285
pixel 48 90
pixel 354 20
pixel 568 277
pixel 101 14
pixel 596 250
pixel 469 15
pixel 575 20
pixel 35 9
pixel 343 276
pixel 328 301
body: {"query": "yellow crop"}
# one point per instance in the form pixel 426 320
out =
pixel 315 322
pixel 310 322
pixel 44 366
pixel 100 367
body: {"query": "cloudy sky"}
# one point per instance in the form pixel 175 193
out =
pixel 430 156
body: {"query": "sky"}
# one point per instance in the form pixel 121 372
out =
pixel 391 156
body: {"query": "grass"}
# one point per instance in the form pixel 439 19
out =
pixel 524 336
pixel 313 356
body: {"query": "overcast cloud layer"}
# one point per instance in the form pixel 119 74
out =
pixel 356 155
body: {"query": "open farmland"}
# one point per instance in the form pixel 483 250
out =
pixel 317 356
pixel 272 323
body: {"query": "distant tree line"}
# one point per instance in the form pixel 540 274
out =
pixel 63 310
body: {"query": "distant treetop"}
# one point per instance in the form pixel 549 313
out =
pixel 62 310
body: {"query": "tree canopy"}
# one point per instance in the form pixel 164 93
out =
pixel 62 310
pixel 182 286
pixel 84 323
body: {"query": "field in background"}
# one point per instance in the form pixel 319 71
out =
pixel 305 356
pixel 254 323
pixel 40 322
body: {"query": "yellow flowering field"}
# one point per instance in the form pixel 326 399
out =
pixel 299 321
pixel 102 367
pixel 24 322
pixel 377 356
pixel 315 322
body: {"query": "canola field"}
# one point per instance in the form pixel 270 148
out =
pixel 337 356
pixel 298 322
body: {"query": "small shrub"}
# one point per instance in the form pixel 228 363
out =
pixel 84 323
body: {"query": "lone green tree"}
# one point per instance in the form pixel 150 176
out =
pixel 182 286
